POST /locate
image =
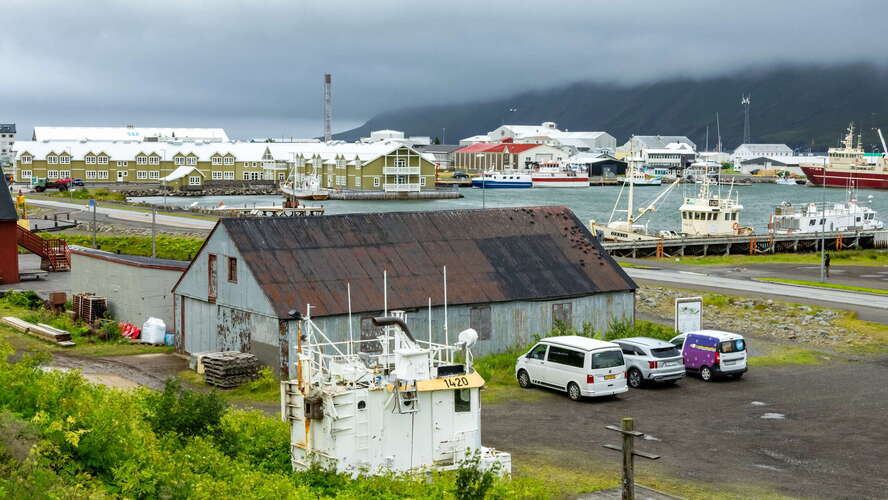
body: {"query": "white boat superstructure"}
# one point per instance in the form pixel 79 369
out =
pixel 393 403
pixel 711 214
pixel 555 176
pixel 820 217
pixel 304 187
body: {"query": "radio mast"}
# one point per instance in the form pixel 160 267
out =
pixel 745 101
pixel 328 107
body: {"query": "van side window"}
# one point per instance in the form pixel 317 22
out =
pixel 538 352
pixel 566 357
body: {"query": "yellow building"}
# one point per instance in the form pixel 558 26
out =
pixel 381 166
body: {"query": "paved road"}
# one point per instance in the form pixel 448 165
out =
pixel 130 215
pixel 810 431
pixel 869 306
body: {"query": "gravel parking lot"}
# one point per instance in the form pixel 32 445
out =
pixel 815 431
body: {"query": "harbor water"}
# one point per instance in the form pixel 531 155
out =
pixel 595 202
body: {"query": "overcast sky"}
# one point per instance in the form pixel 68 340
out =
pixel 256 67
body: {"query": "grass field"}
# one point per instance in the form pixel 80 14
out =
pixel 826 285
pixel 787 355
pixel 168 247
pixel 869 257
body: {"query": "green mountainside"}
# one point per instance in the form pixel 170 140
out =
pixel 807 107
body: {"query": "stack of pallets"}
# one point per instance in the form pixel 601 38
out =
pixel 230 368
pixel 88 307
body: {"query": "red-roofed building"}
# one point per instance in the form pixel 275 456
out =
pixel 506 156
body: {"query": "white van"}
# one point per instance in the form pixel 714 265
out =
pixel 577 365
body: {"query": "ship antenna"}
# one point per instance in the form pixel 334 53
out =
pixel 350 336
pixel 446 335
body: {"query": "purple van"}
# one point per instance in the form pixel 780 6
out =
pixel 712 353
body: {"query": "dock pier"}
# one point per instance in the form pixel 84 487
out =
pixel 748 245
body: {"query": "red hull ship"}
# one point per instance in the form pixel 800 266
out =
pixel 844 178
pixel 848 166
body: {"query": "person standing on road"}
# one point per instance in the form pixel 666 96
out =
pixel 826 259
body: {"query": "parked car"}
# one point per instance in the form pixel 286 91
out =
pixel 42 184
pixel 460 175
pixel 77 182
pixel 651 360
pixel 712 353
pixel 577 365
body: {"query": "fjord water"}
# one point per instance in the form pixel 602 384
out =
pixel 594 202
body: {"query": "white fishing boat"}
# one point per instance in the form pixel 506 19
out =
pixel 390 404
pixel 555 176
pixel 819 217
pixel 711 214
pixel 506 179
pixel 631 229
pixel 786 181
pixel 305 188
pixel 636 176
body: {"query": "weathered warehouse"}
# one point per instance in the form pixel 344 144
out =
pixel 511 274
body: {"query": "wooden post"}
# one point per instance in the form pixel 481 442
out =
pixel 628 465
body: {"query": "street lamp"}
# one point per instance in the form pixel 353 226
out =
pixel 480 156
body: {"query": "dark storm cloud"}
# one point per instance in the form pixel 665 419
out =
pixel 256 67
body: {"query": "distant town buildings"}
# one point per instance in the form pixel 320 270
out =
pixel 507 156
pixel 637 144
pixel 380 166
pixel 549 134
pixel 7 143
pixel 129 134
pixel 396 136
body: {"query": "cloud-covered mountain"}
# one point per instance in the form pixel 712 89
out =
pixel 804 106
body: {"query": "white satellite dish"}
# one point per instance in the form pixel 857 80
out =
pixel 468 337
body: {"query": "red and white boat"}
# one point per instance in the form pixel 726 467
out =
pixel 849 165
pixel 555 176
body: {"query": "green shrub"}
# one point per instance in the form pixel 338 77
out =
pixel 623 328
pixel 27 299
pixel 473 482
pixel 184 412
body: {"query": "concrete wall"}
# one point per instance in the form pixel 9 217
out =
pixel 134 293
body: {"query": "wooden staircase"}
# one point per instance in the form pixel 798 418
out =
pixel 54 252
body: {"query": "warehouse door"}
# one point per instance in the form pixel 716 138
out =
pixel 233 328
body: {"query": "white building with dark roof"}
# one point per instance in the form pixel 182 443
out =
pixel 549 134
pixel 750 151
pixel 637 144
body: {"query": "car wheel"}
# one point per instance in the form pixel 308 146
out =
pixel 523 379
pixel 573 392
pixel 635 378
pixel 706 373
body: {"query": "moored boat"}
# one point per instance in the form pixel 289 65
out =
pixel 711 214
pixel 504 179
pixel 850 164
pixel 824 217
pixel 553 176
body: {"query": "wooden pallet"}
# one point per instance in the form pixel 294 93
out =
pixel 40 330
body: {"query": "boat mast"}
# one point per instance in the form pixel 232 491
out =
pixel 631 178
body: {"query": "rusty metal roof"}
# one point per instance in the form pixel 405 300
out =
pixel 7 206
pixel 493 255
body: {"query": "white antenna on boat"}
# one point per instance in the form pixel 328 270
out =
pixel 882 138
pixel 718 131
pixel 350 337
pixel 430 322
pixel 385 295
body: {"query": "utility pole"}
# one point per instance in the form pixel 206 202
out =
pixel 93 203
pixel 745 100
pixel 153 233
pixel 628 449
pixel 328 107
pixel 823 230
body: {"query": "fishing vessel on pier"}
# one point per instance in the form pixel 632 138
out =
pixel 850 164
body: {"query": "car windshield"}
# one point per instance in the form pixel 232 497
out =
pixel 665 352
pixel 607 359
pixel 732 346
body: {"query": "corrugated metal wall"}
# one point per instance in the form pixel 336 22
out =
pixel 512 323
pixel 134 293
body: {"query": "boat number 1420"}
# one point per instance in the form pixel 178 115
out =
pixel 453 382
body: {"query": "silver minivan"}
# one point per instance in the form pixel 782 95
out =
pixel 651 360
pixel 580 366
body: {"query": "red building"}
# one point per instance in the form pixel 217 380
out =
pixel 9 268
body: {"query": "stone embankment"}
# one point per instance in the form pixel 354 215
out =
pixel 756 317
pixel 221 191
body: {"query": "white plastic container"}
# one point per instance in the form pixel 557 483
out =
pixel 153 331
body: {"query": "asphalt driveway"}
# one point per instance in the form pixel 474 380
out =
pixel 815 431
